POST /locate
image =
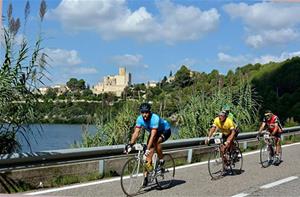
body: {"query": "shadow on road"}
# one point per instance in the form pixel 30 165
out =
pixel 234 172
pixel 155 187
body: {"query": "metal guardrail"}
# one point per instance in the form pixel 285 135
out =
pixel 16 160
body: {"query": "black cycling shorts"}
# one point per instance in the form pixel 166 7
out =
pixel 164 135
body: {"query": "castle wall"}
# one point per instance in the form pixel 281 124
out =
pixel 115 84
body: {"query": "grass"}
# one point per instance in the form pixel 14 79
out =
pixel 71 179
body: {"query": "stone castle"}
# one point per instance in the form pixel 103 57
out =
pixel 115 84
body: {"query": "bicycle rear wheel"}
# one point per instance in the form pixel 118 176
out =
pixel 236 160
pixel 215 164
pixel 266 155
pixel 165 175
pixel 132 176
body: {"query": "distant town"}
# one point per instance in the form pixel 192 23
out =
pixel 111 84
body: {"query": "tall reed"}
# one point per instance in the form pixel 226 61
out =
pixel 21 73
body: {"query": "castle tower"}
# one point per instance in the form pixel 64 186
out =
pixel 115 83
pixel 122 71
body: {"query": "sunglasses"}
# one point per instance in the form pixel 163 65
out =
pixel 268 115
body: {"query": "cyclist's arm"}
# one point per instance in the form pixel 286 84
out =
pixel 212 130
pixel 262 126
pixel 231 136
pixel 135 135
pixel 152 136
pixel 276 128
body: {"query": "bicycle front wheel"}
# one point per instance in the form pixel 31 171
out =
pixel 166 173
pixel 215 164
pixel 266 155
pixel 132 176
pixel 236 160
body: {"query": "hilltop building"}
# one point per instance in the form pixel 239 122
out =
pixel 60 89
pixel 115 84
pixel 151 84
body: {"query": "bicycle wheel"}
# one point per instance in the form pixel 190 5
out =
pixel 266 155
pixel 236 157
pixel 215 164
pixel 236 143
pixel 132 176
pixel 165 175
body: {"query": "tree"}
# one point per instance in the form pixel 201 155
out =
pixel 72 84
pixel 76 85
pixel 51 93
pixel 183 77
pixel 21 74
pixel 81 84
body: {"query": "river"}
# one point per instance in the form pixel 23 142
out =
pixel 56 136
pixel 53 137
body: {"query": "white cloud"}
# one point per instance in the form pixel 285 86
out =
pixel 83 70
pixel 113 19
pixel 189 62
pixel 129 60
pixel 66 64
pixel 241 60
pixel 226 59
pixel 61 57
pixel 270 58
pixel 267 23
pixel 272 37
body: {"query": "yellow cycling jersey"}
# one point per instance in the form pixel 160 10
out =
pixel 225 126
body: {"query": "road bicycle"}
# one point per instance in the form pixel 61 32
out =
pixel 267 150
pixel 231 162
pixel 132 175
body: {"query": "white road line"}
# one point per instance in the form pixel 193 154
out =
pixel 240 195
pixel 74 186
pixel 118 178
pixel 279 182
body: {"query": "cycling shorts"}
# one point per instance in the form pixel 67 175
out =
pixel 164 135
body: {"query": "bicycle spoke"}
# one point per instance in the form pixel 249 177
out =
pixel 236 160
pixel 165 174
pixel 266 156
pixel 215 164
pixel 132 176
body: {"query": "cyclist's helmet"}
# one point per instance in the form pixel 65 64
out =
pixel 226 108
pixel 268 113
pixel 145 107
pixel 222 113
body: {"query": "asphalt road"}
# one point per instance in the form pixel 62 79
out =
pixel 194 180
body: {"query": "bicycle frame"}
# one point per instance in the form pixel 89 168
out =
pixel 269 140
pixel 140 156
pixel 270 147
pixel 134 167
pixel 227 160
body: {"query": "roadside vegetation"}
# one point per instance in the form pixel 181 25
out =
pixel 21 72
pixel 188 99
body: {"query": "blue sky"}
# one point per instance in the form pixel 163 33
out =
pixel 88 39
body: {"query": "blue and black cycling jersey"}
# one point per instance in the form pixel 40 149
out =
pixel 155 122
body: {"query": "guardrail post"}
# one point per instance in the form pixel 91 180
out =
pixel 190 155
pixel 245 145
pixel 101 168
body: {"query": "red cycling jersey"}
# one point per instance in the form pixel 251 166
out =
pixel 271 123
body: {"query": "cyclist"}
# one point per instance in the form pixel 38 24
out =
pixel 230 115
pixel 228 129
pixel 272 124
pixel 226 108
pixel 159 130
